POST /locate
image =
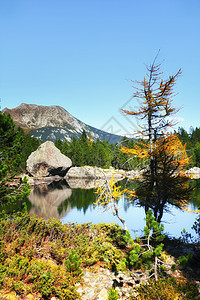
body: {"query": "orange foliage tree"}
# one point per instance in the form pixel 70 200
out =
pixel 163 179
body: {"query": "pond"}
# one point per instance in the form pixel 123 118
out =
pixel 76 205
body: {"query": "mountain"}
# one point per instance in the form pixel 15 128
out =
pixel 54 122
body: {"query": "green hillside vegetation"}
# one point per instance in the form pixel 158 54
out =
pixel 15 147
pixel 192 140
pixel 47 259
pixel 86 151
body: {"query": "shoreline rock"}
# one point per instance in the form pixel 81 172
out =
pixel 89 172
pixel 194 173
pixel 84 183
pixel 90 177
pixel 34 181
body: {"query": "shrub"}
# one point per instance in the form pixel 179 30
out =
pixel 73 263
pixel 46 258
pixel 113 294
pixel 167 289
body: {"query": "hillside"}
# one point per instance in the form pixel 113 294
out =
pixel 53 122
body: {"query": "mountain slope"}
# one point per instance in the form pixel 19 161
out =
pixel 53 122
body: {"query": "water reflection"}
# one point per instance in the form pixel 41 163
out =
pixel 59 200
pixel 46 199
pixel 81 199
pixel 195 199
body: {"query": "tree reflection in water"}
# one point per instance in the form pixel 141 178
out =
pixel 58 200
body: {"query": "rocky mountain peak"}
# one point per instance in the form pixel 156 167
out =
pixel 54 122
pixel 32 116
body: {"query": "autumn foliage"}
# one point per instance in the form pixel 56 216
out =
pixel 165 149
pixel 163 178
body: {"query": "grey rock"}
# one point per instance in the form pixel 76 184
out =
pixel 96 285
pixel 194 172
pixel 89 172
pixel 84 172
pixel 47 160
pixel 103 295
pixel 133 174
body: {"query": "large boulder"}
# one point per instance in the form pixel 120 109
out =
pixel 47 160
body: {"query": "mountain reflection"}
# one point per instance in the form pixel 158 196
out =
pixel 46 199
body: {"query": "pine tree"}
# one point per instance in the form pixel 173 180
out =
pixel 65 148
pixel 28 144
pixel 59 144
pixel 84 137
pixel 10 159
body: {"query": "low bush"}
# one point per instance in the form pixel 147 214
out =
pixel 47 258
pixel 167 289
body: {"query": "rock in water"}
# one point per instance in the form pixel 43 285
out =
pixel 90 172
pixel 85 172
pixel 47 160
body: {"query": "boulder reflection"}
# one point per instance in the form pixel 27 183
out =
pixel 58 198
pixel 46 199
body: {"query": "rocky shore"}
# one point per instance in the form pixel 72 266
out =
pixel 80 177
pixel 96 284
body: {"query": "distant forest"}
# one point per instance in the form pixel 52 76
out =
pixel 192 140
pixel 85 151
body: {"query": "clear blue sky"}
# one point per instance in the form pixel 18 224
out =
pixel 82 55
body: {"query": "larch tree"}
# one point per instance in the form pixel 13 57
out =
pixel 163 179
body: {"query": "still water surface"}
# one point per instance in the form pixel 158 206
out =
pixel 76 205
